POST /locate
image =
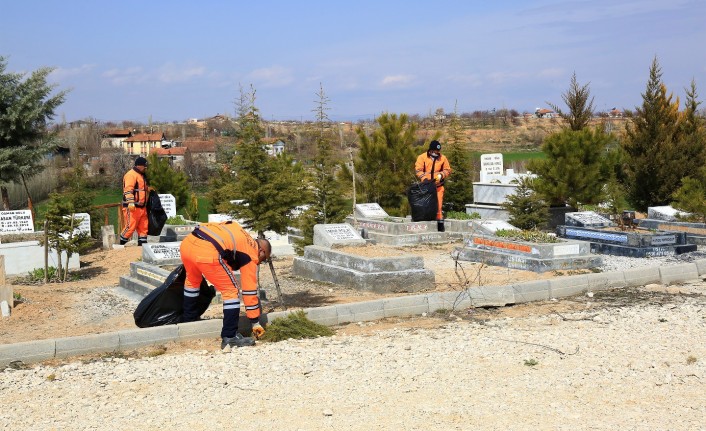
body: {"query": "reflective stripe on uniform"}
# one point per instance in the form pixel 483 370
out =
pixel 231 304
pixel 191 292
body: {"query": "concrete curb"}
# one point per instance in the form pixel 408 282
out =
pixel 41 350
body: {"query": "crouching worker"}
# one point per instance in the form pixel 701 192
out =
pixel 215 251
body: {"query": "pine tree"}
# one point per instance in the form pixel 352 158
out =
pixel 74 197
pixel 526 207
pixel 459 186
pixel 385 162
pixel 654 167
pixel 26 106
pixel 578 161
pixel 269 186
pixel 328 204
pixel 162 177
pixel 580 108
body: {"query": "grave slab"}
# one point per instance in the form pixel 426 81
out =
pixel 370 210
pixel 586 219
pixel 490 226
pixel 26 256
pixel 665 213
pixel 162 253
pixel 337 235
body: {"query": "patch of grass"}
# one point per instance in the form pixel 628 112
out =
pixel 176 220
pixel 461 215
pixel 531 362
pixel 296 325
pixel 36 276
pixel 157 351
pixel 690 360
pixel 17 297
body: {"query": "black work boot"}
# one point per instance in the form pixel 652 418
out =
pixel 440 226
pixel 237 341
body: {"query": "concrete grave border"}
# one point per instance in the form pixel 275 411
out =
pixel 41 350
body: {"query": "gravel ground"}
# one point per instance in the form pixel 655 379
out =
pixel 629 359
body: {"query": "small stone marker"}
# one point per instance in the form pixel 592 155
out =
pixel 371 210
pixel 162 253
pixel 586 219
pixel 108 236
pixel 169 204
pixel 490 226
pixel 16 221
pixel 336 235
pixel 666 213
pixel 5 308
pixel 6 292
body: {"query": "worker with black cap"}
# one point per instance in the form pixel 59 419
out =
pixel 432 165
pixel 135 192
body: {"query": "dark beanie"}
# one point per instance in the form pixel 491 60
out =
pixel 434 145
pixel 140 161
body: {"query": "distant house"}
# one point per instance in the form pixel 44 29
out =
pixel 114 138
pixel 142 144
pixel 201 150
pixel 175 155
pixel 273 146
pixel 545 113
pixel 615 113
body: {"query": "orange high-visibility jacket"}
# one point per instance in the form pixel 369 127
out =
pixel 134 188
pixel 425 165
pixel 245 259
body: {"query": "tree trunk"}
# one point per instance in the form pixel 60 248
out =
pixel 29 199
pixel 5 198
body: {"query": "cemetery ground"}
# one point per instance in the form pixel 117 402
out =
pixel 618 359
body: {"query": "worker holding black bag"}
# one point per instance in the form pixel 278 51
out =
pixel 432 165
pixel 215 251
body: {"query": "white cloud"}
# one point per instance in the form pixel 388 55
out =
pixel 552 72
pixel 503 77
pixel 397 81
pixel 275 76
pixel 62 73
pixel 170 73
pixel 131 75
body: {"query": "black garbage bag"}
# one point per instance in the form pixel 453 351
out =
pixel 165 304
pixel 156 216
pixel 423 200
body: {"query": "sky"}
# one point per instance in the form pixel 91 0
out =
pixel 159 60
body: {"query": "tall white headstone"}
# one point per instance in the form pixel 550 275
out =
pixel 490 164
pixel 169 204
pixel 16 221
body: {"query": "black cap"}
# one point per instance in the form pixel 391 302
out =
pixel 434 145
pixel 140 161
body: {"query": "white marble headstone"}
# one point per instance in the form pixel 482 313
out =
pixel 16 221
pixel 336 235
pixel 371 210
pixel 218 218
pixel 169 204
pixel 666 213
pixel 85 224
pixel 490 226
pixel 162 253
pixel 586 219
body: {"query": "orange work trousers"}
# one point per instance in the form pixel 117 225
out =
pixel 440 198
pixel 135 220
pixel 200 258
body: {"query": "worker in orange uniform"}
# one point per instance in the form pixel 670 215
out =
pixel 214 251
pixel 432 165
pixel 135 192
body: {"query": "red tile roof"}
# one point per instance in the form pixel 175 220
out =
pixel 117 132
pixel 146 137
pixel 202 146
pixel 174 151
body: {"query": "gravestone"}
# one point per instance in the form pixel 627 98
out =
pixel 666 213
pixel 108 236
pixel 371 210
pixel 16 221
pixel 490 226
pixel 336 235
pixel 490 164
pixel 85 225
pixel 586 219
pixel 169 204
pixel 162 253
